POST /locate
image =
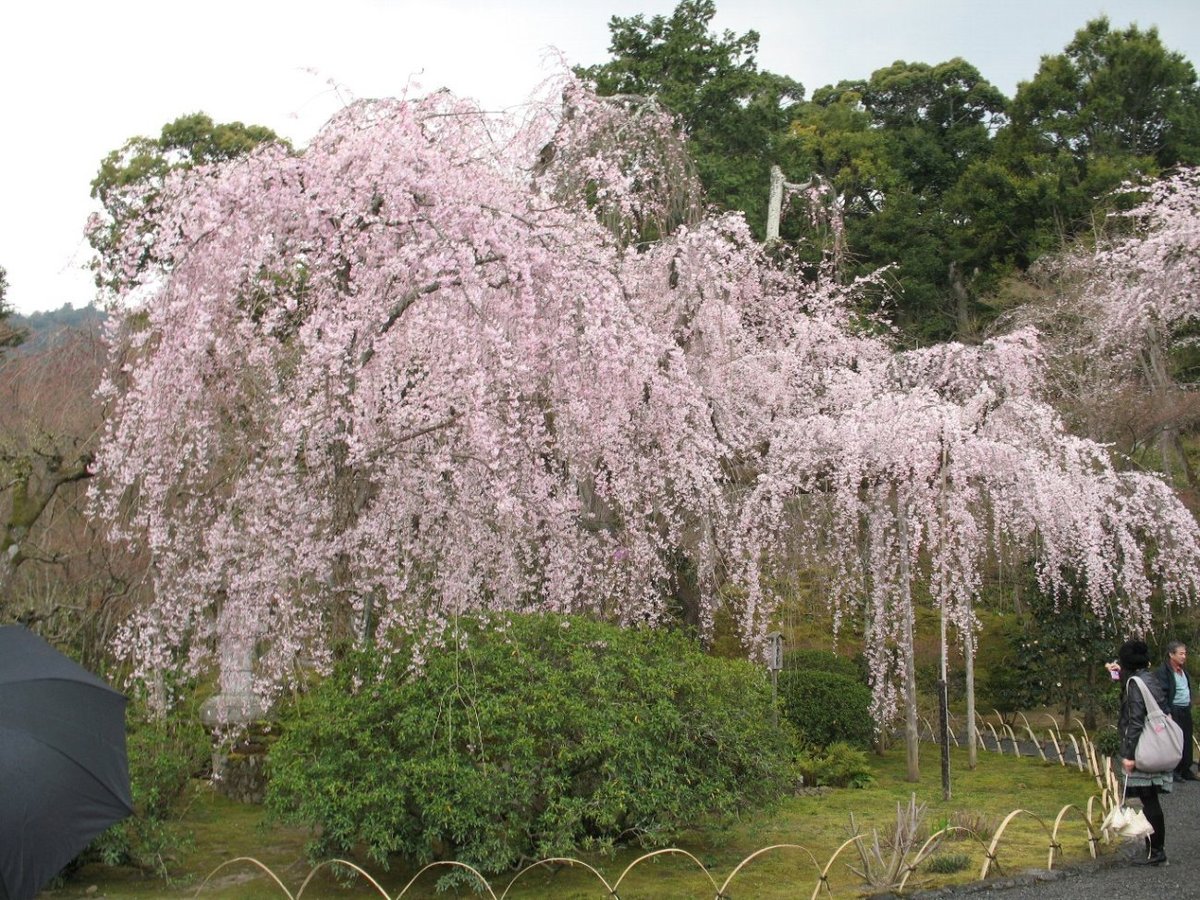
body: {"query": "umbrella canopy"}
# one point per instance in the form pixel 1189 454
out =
pixel 64 775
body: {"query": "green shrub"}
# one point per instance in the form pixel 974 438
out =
pixel 838 765
pixel 929 675
pixel 164 755
pixel 1107 741
pixel 1051 656
pixel 527 736
pixel 811 659
pixel 948 863
pixel 978 826
pixel 826 707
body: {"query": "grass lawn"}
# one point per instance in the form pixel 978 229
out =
pixel 818 823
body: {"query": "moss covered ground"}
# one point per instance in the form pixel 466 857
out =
pixel 223 832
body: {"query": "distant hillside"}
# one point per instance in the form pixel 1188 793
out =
pixel 43 327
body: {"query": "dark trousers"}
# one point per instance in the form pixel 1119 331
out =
pixel 1183 717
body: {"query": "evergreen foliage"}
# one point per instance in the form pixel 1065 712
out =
pixel 1051 655
pixel 165 754
pixel 826 707
pixel 817 660
pixel 526 736
pixel 936 173
pixel 735 115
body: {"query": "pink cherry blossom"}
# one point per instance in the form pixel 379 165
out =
pixel 424 367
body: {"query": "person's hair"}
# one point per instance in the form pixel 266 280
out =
pixel 1133 655
pixel 1172 646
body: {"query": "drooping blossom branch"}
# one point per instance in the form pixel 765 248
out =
pixel 414 370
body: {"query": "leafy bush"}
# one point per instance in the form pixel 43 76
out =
pixel 1107 741
pixel 1051 656
pixel 164 755
pixel 826 707
pixel 526 736
pixel 948 863
pixel 838 765
pixel 980 827
pixel 1009 676
pixel 814 660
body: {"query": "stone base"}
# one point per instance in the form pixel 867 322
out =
pixel 240 775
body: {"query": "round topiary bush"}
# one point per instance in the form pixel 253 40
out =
pixel 826 707
pixel 824 661
pixel 527 737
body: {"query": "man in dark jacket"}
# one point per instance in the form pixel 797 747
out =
pixel 1178 688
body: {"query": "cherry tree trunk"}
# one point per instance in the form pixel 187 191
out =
pixel 1174 460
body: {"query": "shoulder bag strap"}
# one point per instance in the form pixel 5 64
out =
pixel 1151 703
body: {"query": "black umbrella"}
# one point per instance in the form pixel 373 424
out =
pixel 64 776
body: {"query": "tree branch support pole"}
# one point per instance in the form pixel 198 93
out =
pixel 912 736
pixel 775 663
pixel 944 714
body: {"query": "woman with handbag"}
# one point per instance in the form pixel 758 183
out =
pixel 1134 659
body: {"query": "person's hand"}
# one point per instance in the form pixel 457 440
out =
pixel 1128 765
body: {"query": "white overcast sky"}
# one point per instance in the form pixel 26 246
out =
pixel 79 78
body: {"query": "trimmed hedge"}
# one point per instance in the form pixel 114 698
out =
pixel 826 707
pixel 824 661
pixel 527 737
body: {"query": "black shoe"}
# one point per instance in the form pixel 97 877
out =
pixel 1186 776
pixel 1156 858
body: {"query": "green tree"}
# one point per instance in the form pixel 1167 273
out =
pixel 1113 106
pixel 735 115
pixel 834 137
pixel 1053 655
pixel 9 336
pixel 130 177
pixel 894 147
pixel 937 118
pixel 188 141
pixel 955 188
pixel 1114 94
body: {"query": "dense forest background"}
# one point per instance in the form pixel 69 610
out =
pixel 42 327
pixel 933 171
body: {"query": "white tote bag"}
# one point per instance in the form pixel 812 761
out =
pixel 1125 822
pixel 1160 745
